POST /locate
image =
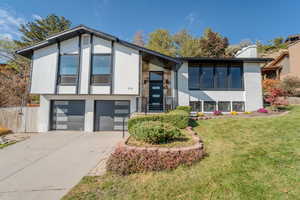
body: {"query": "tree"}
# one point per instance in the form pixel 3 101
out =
pixel 40 29
pixel 186 45
pixel 14 75
pixel 138 39
pixel 161 41
pixel 213 44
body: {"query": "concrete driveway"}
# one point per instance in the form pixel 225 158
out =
pixel 46 166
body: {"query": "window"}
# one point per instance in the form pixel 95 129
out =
pixel 209 106
pixel 235 77
pixel 224 106
pixel 68 69
pixel 221 77
pixel 156 76
pixel 101 69
pixel 194 77
pixel 207 77
pixel 238 106
pixel 196 106
pixel 215 76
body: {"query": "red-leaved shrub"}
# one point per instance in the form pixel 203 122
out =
pixel 127 160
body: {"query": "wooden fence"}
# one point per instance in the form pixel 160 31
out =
pixel 19 119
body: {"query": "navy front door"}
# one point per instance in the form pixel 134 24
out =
pixel 156 91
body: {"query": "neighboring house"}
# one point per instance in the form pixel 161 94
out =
pixel 92 81
pixel 284 64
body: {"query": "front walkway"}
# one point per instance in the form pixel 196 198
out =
pixel 48 165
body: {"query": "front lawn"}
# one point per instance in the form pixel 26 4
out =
pixel 248 158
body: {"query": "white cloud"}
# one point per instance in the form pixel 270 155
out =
pixel 36 16
pixel 9 23
pixel 192 18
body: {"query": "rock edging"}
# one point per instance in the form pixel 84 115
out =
pixel 128 159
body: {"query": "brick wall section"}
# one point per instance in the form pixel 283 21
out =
pixel 130 159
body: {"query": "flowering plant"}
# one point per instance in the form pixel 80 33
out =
pixel 234 113
pixel 262 110
pixel 200 114
pixel 247 112
pixel 217 112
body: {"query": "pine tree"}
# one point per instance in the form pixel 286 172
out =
pixel 40 29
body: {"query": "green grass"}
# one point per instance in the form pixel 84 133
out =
pixel 5 145
pixel 248 158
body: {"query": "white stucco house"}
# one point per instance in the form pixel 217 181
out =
pixel 92 81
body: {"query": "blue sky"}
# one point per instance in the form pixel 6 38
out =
pixel 236 19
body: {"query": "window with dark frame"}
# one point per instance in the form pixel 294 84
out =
pixel 215 76
pixel 101 69
pixel 68 69
pixel 224 106
pixel 209 106
pixel 196 106
pixel 238 106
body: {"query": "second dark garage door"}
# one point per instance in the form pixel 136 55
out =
pixel 109 115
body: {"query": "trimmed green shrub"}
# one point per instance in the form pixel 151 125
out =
pixel 185 108
pixel 154 132
pixel 177 118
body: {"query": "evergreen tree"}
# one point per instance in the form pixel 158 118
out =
pixel 40 29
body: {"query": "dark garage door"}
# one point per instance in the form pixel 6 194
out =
pixel 109 115
pixel 67 115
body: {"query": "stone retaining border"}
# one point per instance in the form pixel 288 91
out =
pixel 128 159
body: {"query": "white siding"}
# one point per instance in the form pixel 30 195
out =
pixel 70 46
pixel 126 70
pixel 100 89
pixel 44 70
pixel 85 63
pixel 44 114
pixel 101 45
pixel 66 89
pixel 253 87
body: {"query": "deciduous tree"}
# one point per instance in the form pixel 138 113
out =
pixel 161 41
pixel 138 39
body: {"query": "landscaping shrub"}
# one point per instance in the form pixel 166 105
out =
pixel 154 132
pixel 4 131
pixel 217 112
pixel 262 110
pixel 177 118
pixel 130 160
pixel 185 108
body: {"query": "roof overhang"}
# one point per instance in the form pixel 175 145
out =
pixel 208 59
pixel 64 35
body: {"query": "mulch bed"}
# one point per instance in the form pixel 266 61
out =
pixel 242 115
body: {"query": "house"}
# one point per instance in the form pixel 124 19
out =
pixel 285 64
pixel 92 81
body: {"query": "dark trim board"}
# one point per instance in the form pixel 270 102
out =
pixel 79 67
pixel 112 64
pixel 57 67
